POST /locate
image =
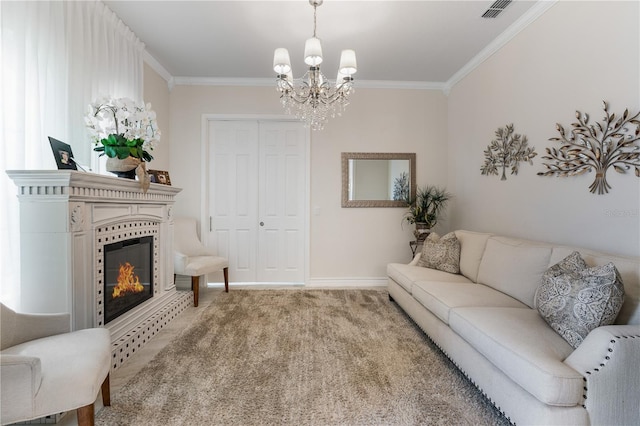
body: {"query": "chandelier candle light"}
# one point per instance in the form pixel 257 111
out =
pixel 313 98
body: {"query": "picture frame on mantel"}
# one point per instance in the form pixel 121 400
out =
pixel 62 154
pixel 160 176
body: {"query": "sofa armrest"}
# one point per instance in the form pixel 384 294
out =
pixel 35 326
pixel 608 359
pixel 21 379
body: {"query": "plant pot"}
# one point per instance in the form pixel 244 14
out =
pixel 125 168
pixel 422 232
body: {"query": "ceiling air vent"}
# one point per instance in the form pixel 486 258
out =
pixel 496 8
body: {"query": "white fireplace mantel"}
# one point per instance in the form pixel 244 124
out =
pixel 66 217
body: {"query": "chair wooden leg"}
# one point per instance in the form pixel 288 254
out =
pixel 195 286
pixel 85 415
pixel 106 392
pixel 226 279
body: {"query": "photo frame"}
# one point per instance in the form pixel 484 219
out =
pixel 63 154
pixel 160 176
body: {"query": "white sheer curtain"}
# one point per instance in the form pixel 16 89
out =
pixel 55 58
pixel 105 58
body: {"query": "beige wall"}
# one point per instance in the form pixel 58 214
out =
pixel 571 58
pixel 188 104
pixel 156 92
pixel 350 243
pixel 359 242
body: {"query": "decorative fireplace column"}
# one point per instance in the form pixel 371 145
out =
pixel 66 220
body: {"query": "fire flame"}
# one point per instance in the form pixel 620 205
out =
pixel 128 282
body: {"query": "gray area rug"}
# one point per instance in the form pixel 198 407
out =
pixel 300 357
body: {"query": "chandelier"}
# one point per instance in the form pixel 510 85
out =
pixel 313 98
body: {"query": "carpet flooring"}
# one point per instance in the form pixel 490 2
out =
pixel 300 357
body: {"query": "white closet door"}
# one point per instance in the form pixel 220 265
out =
pixel 257 198
pixel 233 210
pixel 281 235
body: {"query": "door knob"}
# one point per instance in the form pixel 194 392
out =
pixel 261 223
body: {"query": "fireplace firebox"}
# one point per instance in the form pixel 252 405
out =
pixel 128 275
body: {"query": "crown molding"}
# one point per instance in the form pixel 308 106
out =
pixel 507 35
pixel 215 81
pixel 413 85
pixel 530 16
pixel 157 67
pixel 270 82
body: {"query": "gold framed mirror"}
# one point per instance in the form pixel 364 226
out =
pixel 375 179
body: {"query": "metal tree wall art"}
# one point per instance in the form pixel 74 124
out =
pixel 596 147
pixel 507 150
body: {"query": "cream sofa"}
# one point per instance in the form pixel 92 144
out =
pixel 484 319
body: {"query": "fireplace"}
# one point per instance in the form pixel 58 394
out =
pixel 128 275
pixel 76 215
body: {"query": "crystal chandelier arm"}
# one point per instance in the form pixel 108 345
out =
pixel 288 90
pixel 311 90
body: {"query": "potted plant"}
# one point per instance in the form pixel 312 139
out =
pixel 425 209
pixel 124 131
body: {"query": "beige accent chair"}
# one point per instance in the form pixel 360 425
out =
pixel 46 369
pixel 192 258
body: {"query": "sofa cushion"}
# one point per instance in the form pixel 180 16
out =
pixel 628 267
pixel 521 344
pixel 442 254
pixel 407 275
pixel 472 245
pixel 514 267
pixel 575 299
pixel 200 265
pixel 441 297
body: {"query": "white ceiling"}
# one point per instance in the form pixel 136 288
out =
pixel 400 41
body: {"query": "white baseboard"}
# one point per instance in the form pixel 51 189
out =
pixel 317 283
pixel 346 282
pixel 254 285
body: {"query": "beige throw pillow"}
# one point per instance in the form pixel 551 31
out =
pixel 441 253
pixel 575 299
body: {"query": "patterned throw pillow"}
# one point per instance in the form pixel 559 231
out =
pixel 575 299
pixel 441 253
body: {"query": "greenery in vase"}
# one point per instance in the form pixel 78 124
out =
pixel 430 201
pixel 121 128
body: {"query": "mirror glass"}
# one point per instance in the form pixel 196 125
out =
pixel 377 179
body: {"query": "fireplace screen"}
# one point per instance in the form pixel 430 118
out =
pixel 128 275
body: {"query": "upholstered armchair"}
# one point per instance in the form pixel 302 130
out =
pixel 46 369
pixel 192 258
